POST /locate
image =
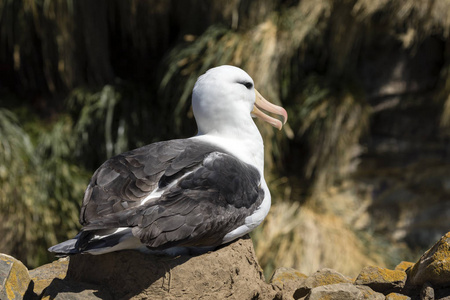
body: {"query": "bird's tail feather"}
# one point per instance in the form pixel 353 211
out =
pixel 98 242
pixel 65 248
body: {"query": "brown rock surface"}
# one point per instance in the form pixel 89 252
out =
pixel 287 280
pixel 397 296
pixel 226 272
pixel 322 277
pixel 44 275
pixel 14 278
pixel 404 265
pixel 229 272
pixel 427 292
pixel 433 266
pixel 69 290
pixel 381 279
pixel 343 291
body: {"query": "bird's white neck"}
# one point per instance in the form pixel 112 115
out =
pixel 244 142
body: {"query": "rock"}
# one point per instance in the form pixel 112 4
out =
pixel 442 294
pixel 404 265
pixel 320 278
pixel 68 290
pixel 231 271
pixel 282 276
pixel 397 296
pixel 287 280
pixel 381 279
pixel 427 292
pixel 343 291
pixel 433 266
pixel 14 278
pixel 368 293
pixel 44 275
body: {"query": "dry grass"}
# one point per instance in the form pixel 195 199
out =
pixel 333 124
pixel 327 231
pixel 301 238
pixel 38 186
pixel 270 41
pixel 445 96
pixel 445 118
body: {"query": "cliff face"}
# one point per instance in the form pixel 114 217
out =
pixel 231 272
pixel 405 167
pixel 366 84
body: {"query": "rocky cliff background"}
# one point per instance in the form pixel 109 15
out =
pixel 361 174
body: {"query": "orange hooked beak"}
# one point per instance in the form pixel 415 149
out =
pixel 261 103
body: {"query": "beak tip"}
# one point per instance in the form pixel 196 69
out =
pixel 260 102
pixel 285 116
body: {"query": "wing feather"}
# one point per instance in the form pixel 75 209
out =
pixel 210 198
pixel 134 175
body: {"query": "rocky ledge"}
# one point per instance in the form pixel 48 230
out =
pixel 231 272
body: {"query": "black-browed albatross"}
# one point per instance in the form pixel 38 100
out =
pixel 187 194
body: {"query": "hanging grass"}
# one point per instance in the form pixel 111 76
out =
pixel 39 189
pixel 127 69
pixel 303 239
pixel 444 97
pixel 333 123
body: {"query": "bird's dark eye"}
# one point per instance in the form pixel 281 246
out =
pixel 247 84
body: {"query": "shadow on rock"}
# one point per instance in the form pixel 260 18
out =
pixel 125 273
pixel 227 271
pixel 64 289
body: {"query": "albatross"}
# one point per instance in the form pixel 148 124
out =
pixel 185 195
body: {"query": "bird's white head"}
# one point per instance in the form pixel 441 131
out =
pixel 224 100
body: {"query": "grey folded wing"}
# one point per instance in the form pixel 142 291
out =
pixel 205 193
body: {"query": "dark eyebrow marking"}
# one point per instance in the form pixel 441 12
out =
pixel 247 84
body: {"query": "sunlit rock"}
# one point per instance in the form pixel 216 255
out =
pixel 14 278
pixel 433 266
pixel 397 296
pixel 382 279
pixel 320 278
pixel 404 265
pixel 343 291
pixel 44 275
pixel 288 280
pixel 229 271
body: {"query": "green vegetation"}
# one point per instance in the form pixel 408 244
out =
pixel 83 81
pixel 39 186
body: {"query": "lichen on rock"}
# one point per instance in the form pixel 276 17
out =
pixel 343 291
pixel 14 278
pixel 381 279
pixel 320 278
pixel 43 276
pixel 433 266
pixel 232 272
pixel 397 296
pixel 404 266
pixel 287 281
